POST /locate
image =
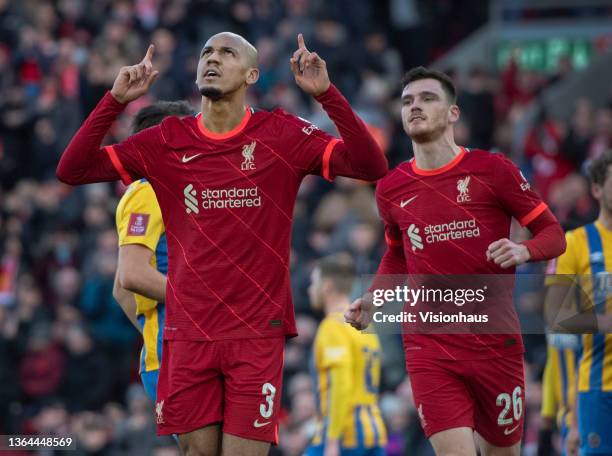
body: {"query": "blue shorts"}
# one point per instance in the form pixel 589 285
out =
pixel 317 450
pixel 149 381
pixel 595 422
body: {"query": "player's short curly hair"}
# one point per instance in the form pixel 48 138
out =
pixel 598 171
pixel 153 114
pixel 421 72
pixel 340 269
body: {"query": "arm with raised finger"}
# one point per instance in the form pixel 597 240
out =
pixel 84 161
pixel 357 155
pixel 134 81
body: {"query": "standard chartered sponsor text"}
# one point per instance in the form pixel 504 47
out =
pixel 457 229
pixel 234 197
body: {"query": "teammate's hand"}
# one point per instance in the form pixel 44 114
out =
pixel 359 314
pixel 309 70
pixel 572 442
pixel 506 253
pixel 134 81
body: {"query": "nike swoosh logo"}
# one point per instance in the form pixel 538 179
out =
pixel 257 424
pixel 403 203
pixel 187 159
pixel 510 431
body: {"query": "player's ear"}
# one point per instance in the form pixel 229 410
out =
pixel 252 76
pixel 596 191
pixel 453 113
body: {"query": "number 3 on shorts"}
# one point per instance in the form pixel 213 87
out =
pixel 269 392
pixel 517 406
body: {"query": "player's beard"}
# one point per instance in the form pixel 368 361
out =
pixel 427 136
pixel 211 93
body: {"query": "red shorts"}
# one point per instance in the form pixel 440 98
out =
pixel 234 382
pixel 487 395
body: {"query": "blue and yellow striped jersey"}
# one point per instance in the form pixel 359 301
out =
pixel 139 221
pixel 559 381
pixel 589 257
pixel 346 370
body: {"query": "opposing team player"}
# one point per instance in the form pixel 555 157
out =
pixel 346 369
pixel 558 389
pixel 140 282
pixel 588 261
pixel 226 181
pixel 448 211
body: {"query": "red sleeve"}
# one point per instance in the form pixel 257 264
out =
pixel 84 161
pixel 393 261
pixel 515 193
pixel 138 156
pixel 548 238
pixel 314 151
pixel 357 155
pixel 309 148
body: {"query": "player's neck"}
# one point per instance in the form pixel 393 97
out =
pixel 435 154
pixel 223 115
pixel 605 219
pixel 336 303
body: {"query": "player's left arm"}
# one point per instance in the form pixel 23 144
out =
pixel 517 197
pixel 391 270
pixel 357 155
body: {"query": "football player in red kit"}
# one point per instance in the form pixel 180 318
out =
pixel 226 181
pixel 448 211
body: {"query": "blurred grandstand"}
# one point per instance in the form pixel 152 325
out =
pixel 534 83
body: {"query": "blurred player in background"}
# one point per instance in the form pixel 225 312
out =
pixel 461 382
pixel 588 260
pixel 346 369
pixel 558 390
pixel 226 181
pixel 140 282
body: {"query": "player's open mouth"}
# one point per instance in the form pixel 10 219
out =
pixel 208 74
pixel 413 118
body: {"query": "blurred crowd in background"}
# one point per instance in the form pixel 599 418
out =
pixel 68 355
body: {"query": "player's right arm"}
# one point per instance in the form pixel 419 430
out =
pixel 84 161
pixel 391 270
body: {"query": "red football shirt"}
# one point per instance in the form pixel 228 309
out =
pixel 444 220
pixel 227 202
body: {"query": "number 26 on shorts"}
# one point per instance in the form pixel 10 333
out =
pixel 516 402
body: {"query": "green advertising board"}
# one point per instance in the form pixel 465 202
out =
pixel 543 55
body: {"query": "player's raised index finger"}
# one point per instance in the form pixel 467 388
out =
pixel 149 55
pixel 301 44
